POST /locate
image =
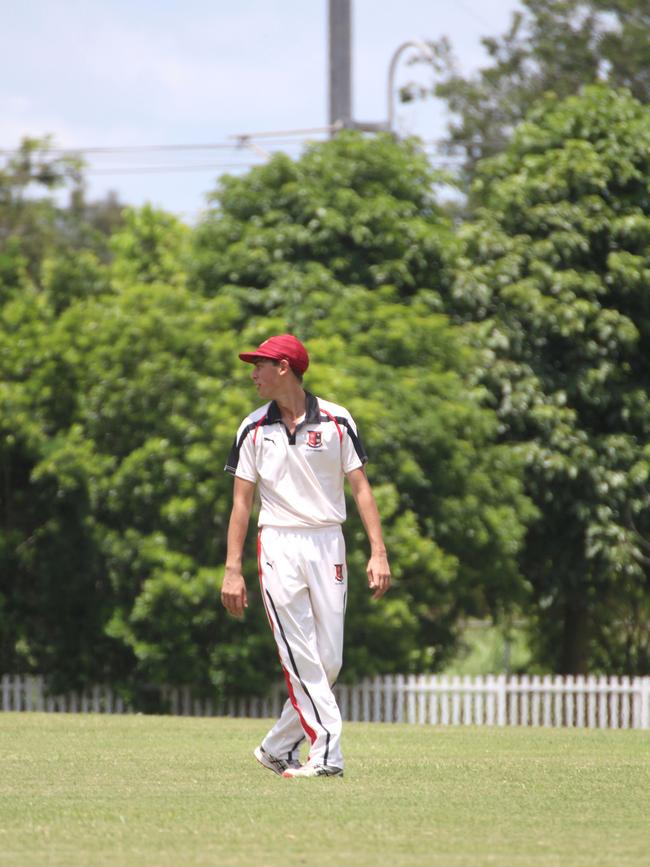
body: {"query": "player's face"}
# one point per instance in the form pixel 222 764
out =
pixel 266 376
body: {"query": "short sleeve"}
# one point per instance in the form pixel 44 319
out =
pixel 241 460
pixel 353 452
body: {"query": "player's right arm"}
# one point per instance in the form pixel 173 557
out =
pixel 233 590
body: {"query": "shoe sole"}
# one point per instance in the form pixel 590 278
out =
pixel 261 761
pixel 290 776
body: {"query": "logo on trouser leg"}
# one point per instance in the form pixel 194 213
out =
pixel 339 572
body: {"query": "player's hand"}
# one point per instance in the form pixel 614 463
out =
pixel 378 574
pixel 233 593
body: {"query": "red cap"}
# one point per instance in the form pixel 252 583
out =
pixel 283 346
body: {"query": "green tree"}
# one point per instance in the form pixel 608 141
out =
pixel 111 417
pixel 554 275
pixel 28 225
pixel 550 46
pixel 347 248
pixel 54 248
pixel 118 408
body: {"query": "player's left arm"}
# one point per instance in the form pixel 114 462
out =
pixel 378 569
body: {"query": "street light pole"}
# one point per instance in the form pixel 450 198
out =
pixel 424 49
pixel 340 71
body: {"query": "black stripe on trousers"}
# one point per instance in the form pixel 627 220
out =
pixel 295 747
pixel 295 669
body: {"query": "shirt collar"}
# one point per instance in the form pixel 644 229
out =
pixel 312 411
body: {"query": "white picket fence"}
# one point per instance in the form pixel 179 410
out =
pixel 582 702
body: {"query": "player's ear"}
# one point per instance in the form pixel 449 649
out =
pixel 283 364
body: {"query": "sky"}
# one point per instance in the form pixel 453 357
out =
pixel 139 73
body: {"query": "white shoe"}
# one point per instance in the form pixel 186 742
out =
pixel 273 763
pixel 314 771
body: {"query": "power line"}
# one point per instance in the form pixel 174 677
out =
pixel 279 141
pixel 205 167
pixel 239 141
pixel 284 132
pixel 473 14
pixel 116 149
pixel 200 167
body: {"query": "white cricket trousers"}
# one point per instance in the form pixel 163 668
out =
pixel 303 578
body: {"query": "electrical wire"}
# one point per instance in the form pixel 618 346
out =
pixel 190 167
pixel 473 14
pixel 289 142
pixel 238 142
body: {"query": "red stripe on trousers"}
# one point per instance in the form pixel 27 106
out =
pixel 303 722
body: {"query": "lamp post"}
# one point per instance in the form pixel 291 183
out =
pixel 424 50
pixel 387 125
pixel 340 71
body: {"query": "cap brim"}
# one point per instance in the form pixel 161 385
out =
pixel 252 357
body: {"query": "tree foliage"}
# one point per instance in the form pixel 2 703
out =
pixel 555 270
pixel 348 248
pixel 45 246
pixel 118 408
pixel 553 46
pixel 497 373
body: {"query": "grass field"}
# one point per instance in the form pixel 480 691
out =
pixel 136 790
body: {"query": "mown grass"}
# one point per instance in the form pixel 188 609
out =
pixel 137 790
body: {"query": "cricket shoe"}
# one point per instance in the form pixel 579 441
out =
pixel 314 771
pixel 273 763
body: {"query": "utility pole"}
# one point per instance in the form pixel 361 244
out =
pixel 340 63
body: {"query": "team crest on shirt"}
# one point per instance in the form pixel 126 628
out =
pixel 339 572
pixel 314 439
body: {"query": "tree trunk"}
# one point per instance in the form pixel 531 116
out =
pixel 574 655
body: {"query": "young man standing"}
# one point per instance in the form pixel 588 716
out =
pixel 298 448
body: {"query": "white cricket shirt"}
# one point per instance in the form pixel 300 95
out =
pixel 300 476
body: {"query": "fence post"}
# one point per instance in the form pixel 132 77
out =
pixel 18 692
pixel 388 702
pixel 410 699
pixel 535 688
pixel 580 701
pixel 422 698
pixel 468 701
pixel 455 700
pixel 568 700
pixel 558 700
pixel 444 700
pixel 602 702
pixel 433 699
pixel 490 693
pixel 365 696
pixel 344 693
pixel 477 687
pixel 513 701
pixel 377 692
pixel 502 700
pixel 645 703
pixel 523 685
pixel 626 703
pixel 354 703
pixel 547 699
pixel 592 686
pixel 399 689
